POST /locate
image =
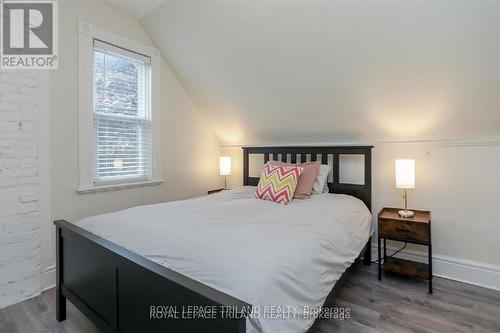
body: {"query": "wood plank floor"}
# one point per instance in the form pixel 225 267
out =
pixel 393 305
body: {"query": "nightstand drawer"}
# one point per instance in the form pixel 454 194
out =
pixel 404 230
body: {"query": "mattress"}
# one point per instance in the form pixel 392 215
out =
pixel 269 255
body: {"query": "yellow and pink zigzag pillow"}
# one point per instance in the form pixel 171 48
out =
pixel 278 183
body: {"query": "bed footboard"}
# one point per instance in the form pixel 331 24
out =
pixel 121 291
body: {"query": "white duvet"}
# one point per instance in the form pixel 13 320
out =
pixel 263 253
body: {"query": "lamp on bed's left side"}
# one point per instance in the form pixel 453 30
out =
pixel 225 168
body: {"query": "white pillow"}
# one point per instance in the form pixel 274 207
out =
pixel 326 189
pixel 321 184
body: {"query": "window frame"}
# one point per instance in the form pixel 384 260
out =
pixel 86 137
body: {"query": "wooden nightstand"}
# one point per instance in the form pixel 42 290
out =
pixel 415 230
pixel 215 191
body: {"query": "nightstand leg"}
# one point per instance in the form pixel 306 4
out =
pixel 379 260
pixel 385 249
pixel 430 268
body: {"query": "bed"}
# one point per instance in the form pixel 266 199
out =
pixel 223 251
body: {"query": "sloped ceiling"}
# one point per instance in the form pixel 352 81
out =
pixel 267 72
pixel 136 8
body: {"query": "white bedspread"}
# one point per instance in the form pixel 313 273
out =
pixel 263 253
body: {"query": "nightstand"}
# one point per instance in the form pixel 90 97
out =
pixel 414 230
pixel 215 191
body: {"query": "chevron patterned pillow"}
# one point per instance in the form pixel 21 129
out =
pixel 278 183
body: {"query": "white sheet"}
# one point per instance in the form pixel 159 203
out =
pixel 263 253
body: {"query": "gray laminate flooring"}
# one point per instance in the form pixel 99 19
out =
pixel 392 305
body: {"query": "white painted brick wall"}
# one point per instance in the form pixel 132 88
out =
pixel 19 223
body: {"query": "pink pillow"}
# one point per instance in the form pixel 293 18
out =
pixel 306 181
pixel 278 183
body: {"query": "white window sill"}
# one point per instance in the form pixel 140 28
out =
pixel 115 187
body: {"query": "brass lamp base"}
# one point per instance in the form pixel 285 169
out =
pixel 406 213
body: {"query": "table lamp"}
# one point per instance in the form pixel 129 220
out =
pixel 225 168
pixel 405 179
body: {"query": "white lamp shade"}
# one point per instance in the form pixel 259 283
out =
pixel 225 165
pixel 405 173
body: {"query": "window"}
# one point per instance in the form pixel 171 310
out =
pixel 118 92
pixel 122 125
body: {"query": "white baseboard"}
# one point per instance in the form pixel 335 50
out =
pixel 462 270
pixel 476 273
pixel 48 278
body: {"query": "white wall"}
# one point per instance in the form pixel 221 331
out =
pixel 460 184
pixel 19 211
pixel 190 149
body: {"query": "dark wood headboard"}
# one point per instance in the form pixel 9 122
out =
pixel 362 192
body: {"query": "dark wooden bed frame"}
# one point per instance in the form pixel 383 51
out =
pixel 116 288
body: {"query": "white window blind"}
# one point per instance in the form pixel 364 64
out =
pixel 122 115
